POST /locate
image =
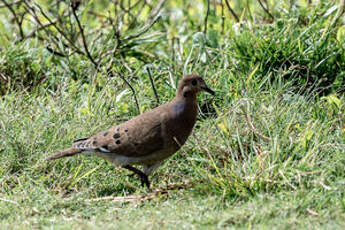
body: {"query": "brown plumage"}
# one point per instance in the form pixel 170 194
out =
pixel 149 138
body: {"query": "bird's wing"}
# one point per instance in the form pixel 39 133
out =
pixel 137 137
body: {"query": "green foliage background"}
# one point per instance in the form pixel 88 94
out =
pixel 267 151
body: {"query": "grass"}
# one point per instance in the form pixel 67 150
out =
pixel 267 151
pixel 240 180
pixel 189 212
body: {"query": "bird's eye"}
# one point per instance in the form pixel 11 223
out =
pixel 194 82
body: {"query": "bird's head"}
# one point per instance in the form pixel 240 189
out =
pixel 191 85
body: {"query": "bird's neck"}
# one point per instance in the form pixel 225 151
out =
pixel 189 100
pixel 186 105
pixel 184 112
pixel 186 95
pixel 186 98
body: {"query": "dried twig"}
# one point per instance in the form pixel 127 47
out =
pixel 232 11
pixel 339 13
pixel 266 9
pixel 132 198
pixel 54 52
pixel 157 9
pixel 83 37
pixel 150 196
pixel 313 213
pixel 9 201
pixel 333 145
pixel 16 18
pixel 132 89
pixel 223 18
pixel 153 85
pixel 206 17
pixel 59 32
pixel 250 124
pixel 43 26
pixel 10 4
pixel 341 116
pixel 53 24
pixel 32 12
pixel 146 28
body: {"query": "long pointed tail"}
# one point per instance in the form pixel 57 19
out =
pixel 64 153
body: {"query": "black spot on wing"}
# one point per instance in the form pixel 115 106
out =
pixel 116 135
pixel 82 139
pixel 126 130
pixel 149 141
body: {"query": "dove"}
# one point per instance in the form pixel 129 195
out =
pixel 147 139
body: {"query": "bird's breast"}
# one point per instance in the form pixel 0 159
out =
pixel 181 122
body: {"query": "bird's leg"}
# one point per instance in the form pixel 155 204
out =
pixel 143 177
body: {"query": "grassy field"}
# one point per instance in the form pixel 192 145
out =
pixel 267 152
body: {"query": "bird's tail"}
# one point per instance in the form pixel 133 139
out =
pixel 64 153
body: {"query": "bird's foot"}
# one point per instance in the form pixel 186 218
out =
pixel 145 181
pixel 143 177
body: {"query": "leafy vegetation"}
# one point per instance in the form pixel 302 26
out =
pixel 267 150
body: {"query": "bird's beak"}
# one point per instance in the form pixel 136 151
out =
pixel 205 88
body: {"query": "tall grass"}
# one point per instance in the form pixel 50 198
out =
pixel 267 151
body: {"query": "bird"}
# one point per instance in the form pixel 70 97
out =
pixel 147 139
